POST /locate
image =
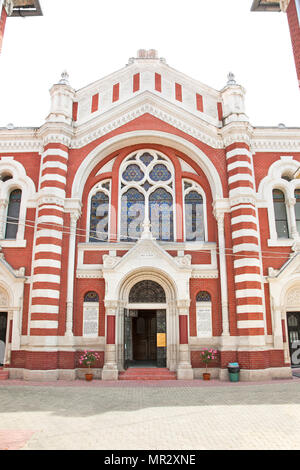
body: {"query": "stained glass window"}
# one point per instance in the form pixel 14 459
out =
pixel 132 214
pixel 281 221
pixel 160 173
pixel 146 158
pixel 147 291
pixel 13 212
pixel 203 296
pixel 194 224
pixel 133 173
pixel 99 217
pixel 161 214
pixel 91 296
pixel 146 183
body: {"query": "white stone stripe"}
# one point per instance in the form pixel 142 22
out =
pixel 247 277
pixel 241 263
pixel 61 166
pixel 242 205
pixel 50 263
pixel 50 219
pixel 245 247
pixel 250 324
pixel 244 232
pixel 232 166
pixel 50 278
pixel 242 293
pixel 243 218
pixel 48 248
pixel 249 308
pixel 56 152
pixel 44 308
pixel 51 207
pixel 48 293
pixel 49 233
pixel 53 177
pixel 240 177
pixel 48 324
pixel 238 151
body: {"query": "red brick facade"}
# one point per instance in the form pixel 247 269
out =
pixel 234 171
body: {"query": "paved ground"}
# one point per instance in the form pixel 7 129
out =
pixel 153 416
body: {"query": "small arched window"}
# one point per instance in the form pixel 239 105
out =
pixel 280 213
pixel 193 213
pixel 297 209
pixel 13 211
pixel 99 213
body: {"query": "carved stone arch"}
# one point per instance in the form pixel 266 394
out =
pixel 146 137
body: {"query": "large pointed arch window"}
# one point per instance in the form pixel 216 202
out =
pixel 13 212
pixel 99 212
pixel 280 213
pixel 147 191
pixel 193 212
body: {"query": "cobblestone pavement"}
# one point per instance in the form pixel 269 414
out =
pixel 152 416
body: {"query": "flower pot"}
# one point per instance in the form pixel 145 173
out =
pixel 206 376
pixel 88 377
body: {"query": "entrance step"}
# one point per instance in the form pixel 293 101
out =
pixel 149 373
pixel 4 374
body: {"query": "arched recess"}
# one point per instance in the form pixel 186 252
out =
pixel 147 138
pixel 168 303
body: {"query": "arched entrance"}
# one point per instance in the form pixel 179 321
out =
pixel 293 324
pixel 145 326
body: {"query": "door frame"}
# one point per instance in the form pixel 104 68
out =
pixel 142 306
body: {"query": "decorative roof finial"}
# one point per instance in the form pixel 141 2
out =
pixel 231 79
pixel 146 233
pixel 64 78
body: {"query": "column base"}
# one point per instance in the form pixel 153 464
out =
pixel 110 372
pixel 185 373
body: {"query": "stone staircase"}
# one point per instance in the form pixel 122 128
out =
pixel 147 373
pixel 4 374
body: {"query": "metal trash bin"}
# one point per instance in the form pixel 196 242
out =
pixel 234 371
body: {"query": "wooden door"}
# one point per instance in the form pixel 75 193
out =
pixel 144 336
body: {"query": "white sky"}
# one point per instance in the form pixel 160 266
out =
pixel 204 39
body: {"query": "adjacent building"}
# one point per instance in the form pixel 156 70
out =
pixel 17 8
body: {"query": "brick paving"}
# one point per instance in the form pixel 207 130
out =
pixel 150 415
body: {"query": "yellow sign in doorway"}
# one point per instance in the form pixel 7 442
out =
pixel 161 340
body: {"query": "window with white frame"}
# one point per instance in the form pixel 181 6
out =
pixel 280 214
pixel 204 314
pixel 193 201
pixel 147 191
pixel 99 201
pixel 91 314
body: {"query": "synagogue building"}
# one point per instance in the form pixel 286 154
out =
pixel 147 219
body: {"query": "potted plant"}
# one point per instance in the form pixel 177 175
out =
pixel 207 355
pixel 87 359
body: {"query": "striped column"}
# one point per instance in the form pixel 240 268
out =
pixel 46 279
pixel 245 241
